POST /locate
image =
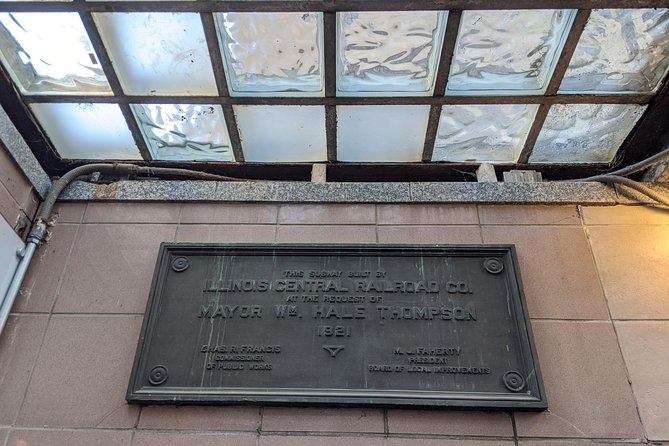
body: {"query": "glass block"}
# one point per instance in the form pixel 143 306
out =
pixel 483 133
pixel 158 53
pixel 282 133
pixel 50 53
pixel 87 131
pixel 184 132
pixel 383 133
pixel 584 133
pixel 507 51
pixel 620 51
pixel 388 53
pixel 272 53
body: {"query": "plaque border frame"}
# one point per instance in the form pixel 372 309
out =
pixel 339 397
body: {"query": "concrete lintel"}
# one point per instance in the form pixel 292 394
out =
pixel 306 192
pixel 19 150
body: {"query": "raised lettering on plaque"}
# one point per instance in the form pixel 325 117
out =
pixel 337 324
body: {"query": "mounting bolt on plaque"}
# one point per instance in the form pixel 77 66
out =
pixel 180 264
pixel 158 375
pixel 493 265
pixel 513 381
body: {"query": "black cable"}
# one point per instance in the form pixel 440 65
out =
pixel 639 187
pixel 641 165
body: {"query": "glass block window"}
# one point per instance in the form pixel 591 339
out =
pixel 87 131
pixel 272 54
pixel 50 53
pixel 507 52
pixel 483 133
pixel 158 53
pixel 184 132
pixel 381 133
pixel 620 51
pixel 276 133
pixel 220 85
pixel 388 53
pixel 584 133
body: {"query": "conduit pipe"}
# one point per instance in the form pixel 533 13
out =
pixel 38 231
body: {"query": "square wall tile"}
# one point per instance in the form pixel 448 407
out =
pixel 620 51
pixel 184 132
pixel 559 283
pixel 381 133
pixel 82 374
pixel 586 384
pixel 87 131
pixel 41 283
pixel 158 53
pixel 19 345
pixel 645 347
pixel 584 133
pixel 451 422
pixel 110 268
pixel 48 437
pixel 507 51
pixel 200 418
pixel 633 262
pixel 282 133
pixel 312 419
pixel 483 133
pixel 153 438
pixel 50 53
pixel 393 53
pixel 272 53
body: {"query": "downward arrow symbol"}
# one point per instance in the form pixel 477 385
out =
pixel 333 349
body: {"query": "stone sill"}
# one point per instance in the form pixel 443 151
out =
pixel 305 192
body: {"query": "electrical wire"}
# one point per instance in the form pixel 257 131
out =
pixel 617 177
pixel 639 187
pixel 633 168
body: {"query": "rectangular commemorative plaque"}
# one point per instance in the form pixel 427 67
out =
pixel 337 324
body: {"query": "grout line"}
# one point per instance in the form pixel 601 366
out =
pixel 583 321
pixel 277 224
pixel 478 219
pixel 376 222
pixel 336 434
pixel 641 320
pixel 83 213
pixel 175 239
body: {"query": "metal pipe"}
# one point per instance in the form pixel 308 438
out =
pixel 15 284
pixel 39 229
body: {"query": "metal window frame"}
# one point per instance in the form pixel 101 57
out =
pixel 648 137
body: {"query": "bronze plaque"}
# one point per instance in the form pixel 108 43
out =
pixel 337 324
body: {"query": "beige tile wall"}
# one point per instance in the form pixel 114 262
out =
pixel 17 196
pixel 595 280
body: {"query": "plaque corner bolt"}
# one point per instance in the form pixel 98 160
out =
pixel 158 375
pixel 180 264
pixel 493 265
pixel 513 381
